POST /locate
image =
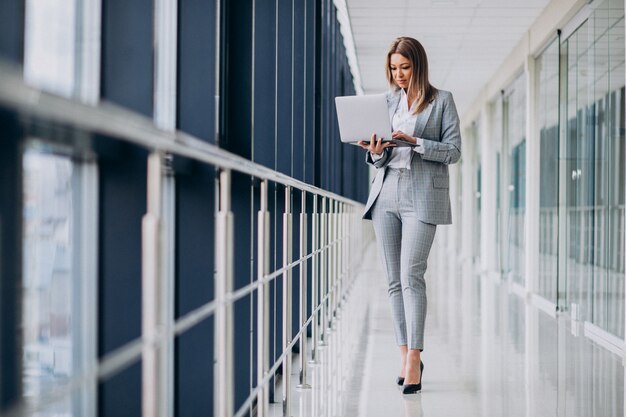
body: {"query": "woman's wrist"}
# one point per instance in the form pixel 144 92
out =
pixel 376 156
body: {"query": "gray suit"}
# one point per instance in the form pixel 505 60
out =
pixel 406 205
pixel 439 126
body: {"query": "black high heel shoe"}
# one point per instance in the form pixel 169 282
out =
pixel 413 388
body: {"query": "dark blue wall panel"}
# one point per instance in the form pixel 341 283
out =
pixel 236 76
pixel 284 147
pixel 120 395
pixel 318 89
pixel 236 137
pixel 122 204
pixel 195 227
pixel 276 297
pixel 196 68
pixel 265 83
pixel 12 30
pixel 299 92
pixel 10 259
pixel 244 234
pixel 127 59
pixel 310 79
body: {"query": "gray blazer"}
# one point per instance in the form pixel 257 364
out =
pixel 439 126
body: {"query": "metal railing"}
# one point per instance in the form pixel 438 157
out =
pixel 337 234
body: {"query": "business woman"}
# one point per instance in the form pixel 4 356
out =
pixel 409 195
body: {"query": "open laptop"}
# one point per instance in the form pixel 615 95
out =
pixel 360 116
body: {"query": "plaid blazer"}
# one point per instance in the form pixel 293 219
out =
pixel 439 126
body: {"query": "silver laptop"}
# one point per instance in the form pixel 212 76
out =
pixel 360 116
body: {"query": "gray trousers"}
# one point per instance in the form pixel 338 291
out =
pixel 404 243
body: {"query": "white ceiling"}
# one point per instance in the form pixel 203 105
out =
pixel 465 40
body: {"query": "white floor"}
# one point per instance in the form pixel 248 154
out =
pixel 489 352
pixel 445 392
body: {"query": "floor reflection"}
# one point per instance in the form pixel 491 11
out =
pixel 413 405
pixel 490 352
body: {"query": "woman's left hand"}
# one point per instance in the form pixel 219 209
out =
pixel 398 134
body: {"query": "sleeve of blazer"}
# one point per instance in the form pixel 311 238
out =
pixel 448 150
pixel 379 163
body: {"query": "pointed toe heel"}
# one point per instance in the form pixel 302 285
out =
pixel 411 388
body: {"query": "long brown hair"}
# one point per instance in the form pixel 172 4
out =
pixel 412 50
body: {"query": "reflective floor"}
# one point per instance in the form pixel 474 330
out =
pixel 489 352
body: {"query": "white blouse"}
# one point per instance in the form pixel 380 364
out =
pixel 403 120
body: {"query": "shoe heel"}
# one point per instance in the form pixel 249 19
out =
pixel 412 388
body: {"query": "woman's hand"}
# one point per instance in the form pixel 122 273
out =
pixel 398 134
pixel 375 146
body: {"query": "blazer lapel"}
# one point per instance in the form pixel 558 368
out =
pixel 393 99
pixel 422 119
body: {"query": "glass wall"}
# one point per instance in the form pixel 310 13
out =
pixel 47 285
pixel 515 145
pixel 609 311
pixel 50 39
pixel 58 289
pixel 58 284
pixel 495 130
pixel 594 141
pixel 475 136
pixel 547 90
pixel 262 87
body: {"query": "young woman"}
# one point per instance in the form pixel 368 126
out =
pixel 409 195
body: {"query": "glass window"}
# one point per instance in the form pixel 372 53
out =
pixel 611 311
pixel 547 72
pixel 49 45
pixel 47 284
pixel 58 308
pixel 515 144
pixel 474 135
pixel 594 143
pixel 477 222
pixel 495 129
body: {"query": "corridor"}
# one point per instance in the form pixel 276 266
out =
pixel 182 223
pixel 488 353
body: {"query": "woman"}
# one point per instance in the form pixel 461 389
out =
pixel 409 195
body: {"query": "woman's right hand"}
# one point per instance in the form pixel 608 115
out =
pixel 375 146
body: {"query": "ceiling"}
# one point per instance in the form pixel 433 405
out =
pixel 465 40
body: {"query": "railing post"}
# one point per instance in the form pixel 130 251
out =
pixel 342 251
pixel 223 383
pixel 339 255
pixel 335 260
pixel 303 293
pixel 329 265
pixel 314 280
pixel 323 273
pixel 150 273
pixel 332 270
pixel 263 223
pixel 287 256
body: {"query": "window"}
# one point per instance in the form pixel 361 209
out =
pixel 49 50
pixel 594 147
pixel 547 71
pixel 58 307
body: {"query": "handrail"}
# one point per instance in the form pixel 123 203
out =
pixel 115 121
pixel 332 231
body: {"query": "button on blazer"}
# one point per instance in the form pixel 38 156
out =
pixel 438 124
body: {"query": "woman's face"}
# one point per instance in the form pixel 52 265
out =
pixel 401 70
